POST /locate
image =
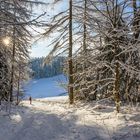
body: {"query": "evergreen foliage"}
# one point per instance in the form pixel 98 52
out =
pixel 48 70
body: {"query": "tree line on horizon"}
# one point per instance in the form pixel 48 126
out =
pixel 38 70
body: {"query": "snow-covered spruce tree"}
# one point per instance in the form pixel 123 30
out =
pixel 113 30
pixel 83 85
pixel 62 24
pixel 15 18
pixel 114 55
pixel 81 40
pixel 19 38
pixel 4 53
pixel 70 61
pixel 79 61
pixel 4 75
pixel 133 79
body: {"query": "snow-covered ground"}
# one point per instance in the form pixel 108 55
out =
pixel 46 87
pixel 55 119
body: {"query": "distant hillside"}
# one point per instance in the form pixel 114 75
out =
pixel 52 69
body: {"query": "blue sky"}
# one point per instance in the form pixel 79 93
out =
pixel 40 48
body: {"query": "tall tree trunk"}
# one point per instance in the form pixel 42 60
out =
pixel 127 88
pixel 136 27
pixel 85 48
pixel 18 90
pixel 96 87
pixel 12 68
pixel 70 62
pixel 85 28
pixel 117 86
pixel 136 20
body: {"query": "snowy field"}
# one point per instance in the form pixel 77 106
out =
pixel 46 87
pixel 53 119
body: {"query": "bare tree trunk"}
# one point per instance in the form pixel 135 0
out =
pixel 12 69
pixel 117 86
pixel 85 28
pixel 136 20
pixel 85 47
pixel 127 89
pixel 70 62
pixel 136 27
pixel 18 90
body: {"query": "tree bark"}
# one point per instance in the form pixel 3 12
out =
pixel 18 90
pixel 136 20
pixel 70 62
pixel 117 86
pixel 85 28
pixel 13 61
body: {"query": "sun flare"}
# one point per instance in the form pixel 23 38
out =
pixel 6 41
